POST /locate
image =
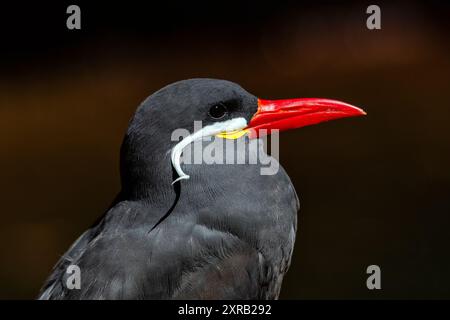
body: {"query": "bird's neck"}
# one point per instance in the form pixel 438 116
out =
pixel 147 172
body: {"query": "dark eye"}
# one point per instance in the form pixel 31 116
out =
pixel 218 111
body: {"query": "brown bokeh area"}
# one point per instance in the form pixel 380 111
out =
pixel 373 190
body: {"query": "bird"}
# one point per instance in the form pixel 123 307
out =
pixel 194 231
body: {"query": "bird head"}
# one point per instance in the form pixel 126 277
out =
pixel 225 110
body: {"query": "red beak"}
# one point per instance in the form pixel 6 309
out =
pixel 295 113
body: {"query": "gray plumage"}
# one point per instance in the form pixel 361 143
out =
pixel 226 233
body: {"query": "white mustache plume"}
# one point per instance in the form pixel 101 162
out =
pixel 210 130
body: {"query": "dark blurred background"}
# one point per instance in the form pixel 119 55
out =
pixel 373 190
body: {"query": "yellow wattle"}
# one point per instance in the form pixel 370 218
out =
pixel 232 134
